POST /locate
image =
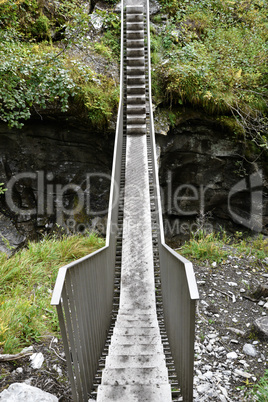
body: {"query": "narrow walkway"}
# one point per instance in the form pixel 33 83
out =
pixel 135 368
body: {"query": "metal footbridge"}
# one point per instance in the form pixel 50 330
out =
pixel 127 311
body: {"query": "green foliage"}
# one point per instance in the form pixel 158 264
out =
pixel 31 76
pixel 259 393
pixel 203 246
pixel 170 7
pixel 26 17
pixel 212 54
pixel 218 73
pixel 100 97
pixel 35 22
pixel 2 189
pixel 258 247
pixel 41 27
pixel 35 74
pixel 27 280
pixel 112 34
pixel 111 1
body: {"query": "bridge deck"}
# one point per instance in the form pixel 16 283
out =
pixel 127 311
pixel 135 368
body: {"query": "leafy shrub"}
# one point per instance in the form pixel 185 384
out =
pixel 41 27
pixel 213 55
pixel 31 76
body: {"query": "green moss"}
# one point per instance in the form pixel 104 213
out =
pixel 232 125
pixel 41 28
pixel 101 100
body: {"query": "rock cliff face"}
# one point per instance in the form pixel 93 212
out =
pixel 56 174
pixel 59 174
pixel 206 180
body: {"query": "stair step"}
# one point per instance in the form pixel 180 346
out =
pixel 136 119
pixel 138 9
pixel 134 17
pixel 137 321
pixel 134 99
pixel 135 79
pixel 136 339
pixel 137 70
pixel 130 376
pixel 135 34
pixel 134 393
pixel 135 61
pixel 135 349
pixel 136 89
pixel 122 361
pixel 136 109
pixel 135 26
pixel 146 331
pixel 135 52
pixel 136 43
pixel 136 129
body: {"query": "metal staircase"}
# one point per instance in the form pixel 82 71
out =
pixel 127 311
pixel 135 368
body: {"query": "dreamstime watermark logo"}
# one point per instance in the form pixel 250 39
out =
pixel 186 200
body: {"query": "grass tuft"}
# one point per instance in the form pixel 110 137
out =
pixel 27 281
pixel 212 247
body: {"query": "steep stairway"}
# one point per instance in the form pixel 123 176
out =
pixel 135 368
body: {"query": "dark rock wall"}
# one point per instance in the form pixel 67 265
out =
pixel 59 162
pixel 207 182
pixel 65 178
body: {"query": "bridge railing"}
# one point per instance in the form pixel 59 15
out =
pixel 83 293
pixel 179 288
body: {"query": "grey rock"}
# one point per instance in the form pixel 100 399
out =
pixel 261 325
pixel 37 360
pixel 161 122
pixel 261 291
pixel 10 238
pixel 97 22
pixel 231 355
pixel 242 373
pixel 118 7
pixel 249 350
pixel 154 7
pixel 21 392
pixel 209 348
pixel 203 388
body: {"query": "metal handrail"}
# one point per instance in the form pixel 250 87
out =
pixel 83 293
pixel 178 284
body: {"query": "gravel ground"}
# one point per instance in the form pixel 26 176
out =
pixel 230 355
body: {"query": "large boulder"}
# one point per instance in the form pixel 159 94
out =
pixel 21 392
